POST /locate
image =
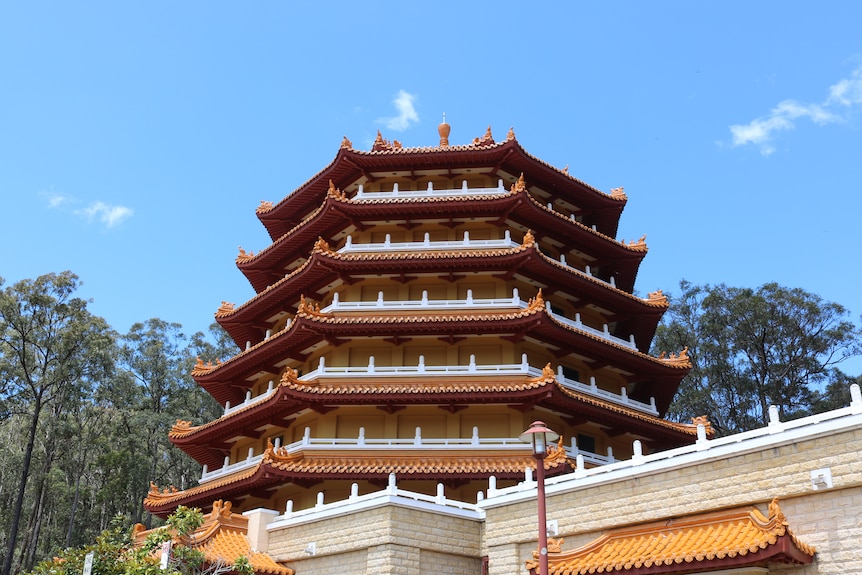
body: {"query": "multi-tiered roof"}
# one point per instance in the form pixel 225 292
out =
pixel 416 309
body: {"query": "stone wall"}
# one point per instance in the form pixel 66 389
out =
pixel 416 540
pixel 385 540
pixel 829 519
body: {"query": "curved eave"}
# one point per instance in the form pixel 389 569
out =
pixel 275 470
pixel 206 443
pixel 335 213
pixel 660 377
pixel 246 322
pixel 508 156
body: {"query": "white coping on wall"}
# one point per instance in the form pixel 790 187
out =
pixel 775 434
pixel 391 495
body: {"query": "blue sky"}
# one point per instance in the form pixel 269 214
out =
pixel 137 138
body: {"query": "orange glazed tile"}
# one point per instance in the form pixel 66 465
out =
pixel 736 537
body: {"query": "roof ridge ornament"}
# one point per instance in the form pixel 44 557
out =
pixel 529 240
pixel 264 206
pixel 381 145
pixel 520 185
pixel 510 135
pixel 346 144
pixel 244 256
pixel 486 140
pixel 618 193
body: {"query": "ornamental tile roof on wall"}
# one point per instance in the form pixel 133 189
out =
pixel 222 539
pixel 736 537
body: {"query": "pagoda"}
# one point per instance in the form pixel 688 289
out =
pixel 415 310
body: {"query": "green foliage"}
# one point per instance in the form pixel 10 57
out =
pixel 85 415
pixel 754 348
pixel 115 554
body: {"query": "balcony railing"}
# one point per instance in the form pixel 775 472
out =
pixel 417 442
pixel 387 245
pixel 430 192
pixel 472 368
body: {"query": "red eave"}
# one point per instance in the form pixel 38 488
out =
pixel 334 214
pixel 508 156
pixel 657 377
pixel 638 317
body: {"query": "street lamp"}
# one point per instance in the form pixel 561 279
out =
pixel 540 436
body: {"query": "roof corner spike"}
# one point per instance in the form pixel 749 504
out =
pixel 443 129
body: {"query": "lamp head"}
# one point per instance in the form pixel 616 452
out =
pixel 539 436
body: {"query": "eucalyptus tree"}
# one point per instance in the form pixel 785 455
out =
pixel 157 389
pixel 53 353
pixel 752 348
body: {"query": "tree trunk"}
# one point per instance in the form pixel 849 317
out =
pixel 22 487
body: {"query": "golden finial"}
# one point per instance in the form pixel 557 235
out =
pixel 548 371
pixel 346 144
pixel 529 239
pixel 443 129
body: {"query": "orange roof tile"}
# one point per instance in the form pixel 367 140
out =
pixel 222 539
pixel 727 538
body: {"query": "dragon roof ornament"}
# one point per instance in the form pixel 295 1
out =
pixel 520 185
pixel 264 206
pixel 244 256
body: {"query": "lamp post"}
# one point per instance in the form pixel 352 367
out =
pixel 539 436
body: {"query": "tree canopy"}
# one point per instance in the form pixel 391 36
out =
pixel 752 348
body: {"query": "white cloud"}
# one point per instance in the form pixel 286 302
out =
pixel 406 112
pixel 108 215
pixel 56 200
pixel 847 92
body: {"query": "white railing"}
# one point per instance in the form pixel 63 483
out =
pixel 425 303
pixel 587 271
pixel 249 400
pixel 421 369
pixel 391 494
pixel 582 456
pixel 592 389
pixel 362 443
pixel 470 303
pixel 430 192
pixel 387 245
pixel 603 333
pixel 229 468
pixel 775 433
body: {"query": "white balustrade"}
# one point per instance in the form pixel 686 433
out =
pixel 592 389
pixel 387 245
pixel 431 192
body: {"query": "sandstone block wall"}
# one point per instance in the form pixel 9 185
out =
pixel 386 540
pixel 828 519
